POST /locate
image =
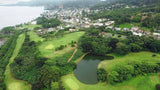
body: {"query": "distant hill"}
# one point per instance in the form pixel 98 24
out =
pixel 126 2
pixel 50 4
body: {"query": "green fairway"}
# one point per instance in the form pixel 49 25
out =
pixel 141 56
pixel 148 82
pixel 10 81
pixel 47 48
pixel 34 36
pixel 31 26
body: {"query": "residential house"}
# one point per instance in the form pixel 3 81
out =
pixel 117 29
pixel 126 29
pixel 72 30
pixel 137 34
pixel 85 25
pixel 109 23
pixel 110 27
pixel 39 30
pixel 60 27
pixel 133 29
pixel 102 19
pixel 156 35
pixel 127 6
pixel 50 30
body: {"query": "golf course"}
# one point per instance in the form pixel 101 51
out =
pixel 71 82
pixel 11 82
pixel 84 75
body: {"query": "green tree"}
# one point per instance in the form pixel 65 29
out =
pixel 155 46
pixel 113 77
pixel 49 75
pixel 157 86
pixel 122 49
pixel 135 47
pixel 113 42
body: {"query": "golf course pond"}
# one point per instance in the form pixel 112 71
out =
pixel 86 70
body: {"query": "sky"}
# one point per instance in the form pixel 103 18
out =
pixel 10 1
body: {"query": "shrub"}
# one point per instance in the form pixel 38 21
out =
pixel 119 36
pixel 157 86
pixel 154 55
pixel 113 77
pixel 102 75
pixel 60 47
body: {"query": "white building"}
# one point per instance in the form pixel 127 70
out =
pixel 34 22
pixel 137 34
pixel 110 27
pixel 156 35
pixel 60 27
pixel 97 24
pixel 125 29
pixel 50 30
pixel 117 29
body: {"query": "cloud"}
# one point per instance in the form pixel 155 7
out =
pixel 11 1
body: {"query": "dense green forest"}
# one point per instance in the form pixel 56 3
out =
pixel 95 43
pixel 47 23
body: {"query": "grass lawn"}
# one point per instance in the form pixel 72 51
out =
pixel 139 83
pixel 31 26
pixel 143 82
pixel 126 25
pixel 141 56
pixel 10 81
pixel 34 36
pixel 48 48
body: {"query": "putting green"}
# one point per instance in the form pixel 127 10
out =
pixel 50 46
